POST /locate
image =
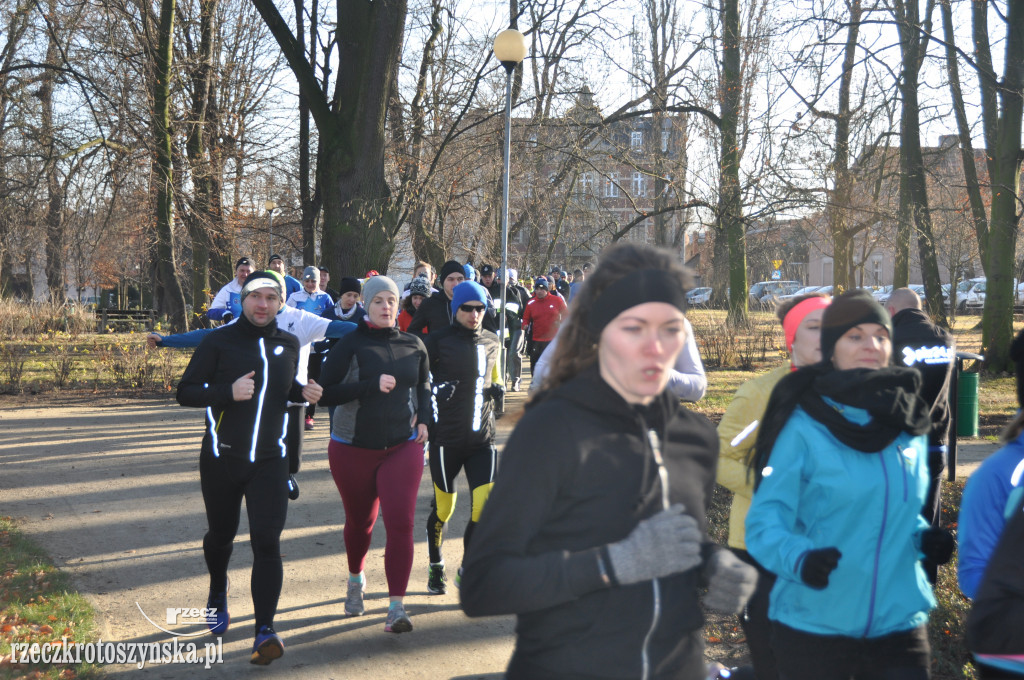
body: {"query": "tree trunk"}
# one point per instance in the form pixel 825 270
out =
pixel 172 300
pixel 54 219
pixel 358 216
pixel 997 319
pixel 730 206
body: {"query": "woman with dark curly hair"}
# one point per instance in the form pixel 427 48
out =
pixel 595 532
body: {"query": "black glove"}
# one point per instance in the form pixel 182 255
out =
pixel 228 316
pixel 937 545
pixel 293 488
pixel 495 392
pixel 444 391
pixel 818 564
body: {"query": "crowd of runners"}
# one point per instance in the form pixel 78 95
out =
pixel 592 527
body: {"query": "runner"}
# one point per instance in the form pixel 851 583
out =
pixel 244 375
pixel 315 301
pixel 225 305
pixel 463 360
pixel 544 313
pixel 418 291
pixel 737 432
pixel 378 377
pixel 841 472
pixel 594 534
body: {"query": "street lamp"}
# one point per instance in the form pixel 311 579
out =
pixel 271 207
pixel 510 49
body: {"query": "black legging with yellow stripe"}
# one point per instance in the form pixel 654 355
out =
pixel 480 463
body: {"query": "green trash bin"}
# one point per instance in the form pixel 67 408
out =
pixel 967 404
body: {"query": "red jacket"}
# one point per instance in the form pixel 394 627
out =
pixel 544 316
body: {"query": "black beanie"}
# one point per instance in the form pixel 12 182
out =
pixel 450 267
pixel 846 311
pixel 349 284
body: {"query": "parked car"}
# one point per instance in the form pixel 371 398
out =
pixel 699 297
pixel 802 291
pixel 773 289
pixel 882 294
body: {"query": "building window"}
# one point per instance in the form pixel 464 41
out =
pixel 587 183
pixel 611 189
pixel 876 271
pixel 636 139
pixel 826 272
pixel 664 140
pixel 639 184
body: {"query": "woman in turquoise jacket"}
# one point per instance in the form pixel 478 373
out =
pixel 841 465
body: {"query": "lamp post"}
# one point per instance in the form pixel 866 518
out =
pixel 510 49
pixel 271 207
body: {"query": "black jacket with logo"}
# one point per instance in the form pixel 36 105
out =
pixel 579 473
pixel 919 343
pixel 461 365
pixel 254 429
pixel 367 417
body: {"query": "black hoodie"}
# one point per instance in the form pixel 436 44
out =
pixel 577 474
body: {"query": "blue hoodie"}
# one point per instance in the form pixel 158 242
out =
pixel 818 493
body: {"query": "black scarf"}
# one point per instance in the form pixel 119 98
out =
pixel 890 395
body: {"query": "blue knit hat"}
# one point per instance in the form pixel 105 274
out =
pixel 469 271
pixel 468 291
pixel 540 282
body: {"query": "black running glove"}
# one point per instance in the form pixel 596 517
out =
pixel 937 545
pixel 444 391
pixel 818 564
pixel 495 392
pixel 228 316
pixel 293 488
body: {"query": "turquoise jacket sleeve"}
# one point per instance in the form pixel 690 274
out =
pixel 771 521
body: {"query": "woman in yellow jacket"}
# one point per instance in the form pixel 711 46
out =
pixel 737 432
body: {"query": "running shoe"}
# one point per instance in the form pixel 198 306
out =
pixel 437 579
pixel 268 646
pixel 398 621
pixel 354 597
pixel 309 423
pixel 217 617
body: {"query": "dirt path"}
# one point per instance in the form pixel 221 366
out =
pixel 111 490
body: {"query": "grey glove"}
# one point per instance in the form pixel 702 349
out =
pixel 731 582
pixel 664 544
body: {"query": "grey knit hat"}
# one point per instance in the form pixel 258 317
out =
pixel 376 284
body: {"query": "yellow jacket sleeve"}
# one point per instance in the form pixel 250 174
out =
pixel 737 433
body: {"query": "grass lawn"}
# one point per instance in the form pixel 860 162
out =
pixel 38 604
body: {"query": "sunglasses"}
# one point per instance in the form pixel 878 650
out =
pixel 472 308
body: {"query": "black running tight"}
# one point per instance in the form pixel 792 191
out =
pixel 225 481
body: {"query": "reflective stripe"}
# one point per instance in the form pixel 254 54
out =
pixel 478 397
pixel 284 436
pixel 213 431
pixel 259 405
pixel 444 475
pixel 1017 472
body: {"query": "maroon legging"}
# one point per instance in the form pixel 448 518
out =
pixel 367 479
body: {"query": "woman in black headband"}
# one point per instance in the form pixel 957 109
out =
pixel 594 533
pixel 841 472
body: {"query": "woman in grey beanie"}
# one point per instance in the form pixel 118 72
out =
pixel 378 377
